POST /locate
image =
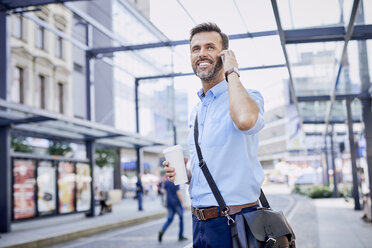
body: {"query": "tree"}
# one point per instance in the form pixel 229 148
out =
pixel 59 148
pixel 105 157
pixel 19 144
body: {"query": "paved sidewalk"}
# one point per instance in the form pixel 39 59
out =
pixel 324 223
pixel 52 230
pixel 320 223
pixel 340 226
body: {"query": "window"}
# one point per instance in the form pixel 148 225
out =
pixel 78 68
pixel 59 47
pixel 60 97
pixel 39 36
pixel 17 94
pixel 42 91
pixel 17 26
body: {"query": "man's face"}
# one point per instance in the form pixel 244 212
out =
pixel 205 62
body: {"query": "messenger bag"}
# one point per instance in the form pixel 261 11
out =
pixel 264 227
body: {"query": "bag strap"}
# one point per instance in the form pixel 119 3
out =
pixel 207 174
pixel 210 180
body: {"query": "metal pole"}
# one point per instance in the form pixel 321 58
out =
pixel 5 166
pixel 335 191
pixel 89 75
pixel 367 118
pixel 138 164
pixel 352 154
pixel 136 84
pixel 136 101
pixel 89 144
pixel 366 103
pixel 326 159
pixel 117 171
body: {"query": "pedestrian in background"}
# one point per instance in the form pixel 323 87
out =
pixel 175 206
pixel 139 193
pixel 229 119
pixel 160 191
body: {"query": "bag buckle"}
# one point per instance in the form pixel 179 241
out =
pixel 229 219
pixel 201 214
pixel 202 163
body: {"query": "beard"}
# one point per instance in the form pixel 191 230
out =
pixel 208 75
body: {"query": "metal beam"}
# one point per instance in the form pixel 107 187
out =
pixel 326 172
pixel 13 4
pixel 136 104
pixel 114 36
pixel 330 122
pixel 191 73
pixel 90 148
pixel 335 188
pixel 348 34
pixel 5 167
pixel 105 137
pixel 326 34
pixel 77 122
pixel 295 36
pixel 282 41
pixel 353 156
pixel 103 50
pixel 32 119
pixel 6 182
pixel 337 97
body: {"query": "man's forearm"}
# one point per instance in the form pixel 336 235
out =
pixel 243 109
pixel 188 176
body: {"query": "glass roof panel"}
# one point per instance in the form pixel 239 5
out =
pixel 249 52
pixel 233 17
pixel 258 51
pixel 155 61
pixel 303 13
pixel 128 28
pixel 314 66
pixel 355 63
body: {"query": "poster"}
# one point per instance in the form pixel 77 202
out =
pixel 24 188
pixel 46 180
pixel 66 187
pixel 83 187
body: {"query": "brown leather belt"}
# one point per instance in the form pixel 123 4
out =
pixel 212 212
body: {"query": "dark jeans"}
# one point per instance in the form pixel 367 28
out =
pixel 140 196
pixel 214 232
pixel 171 211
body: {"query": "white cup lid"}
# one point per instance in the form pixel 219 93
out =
pixel 172 148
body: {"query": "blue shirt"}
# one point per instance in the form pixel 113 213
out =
pixel 171 191
pixel 230 154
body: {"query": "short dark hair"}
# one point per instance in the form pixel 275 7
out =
pixel 210 27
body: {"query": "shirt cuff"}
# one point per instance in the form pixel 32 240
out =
pixel 260 123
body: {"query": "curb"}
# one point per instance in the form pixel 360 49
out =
pixel 87 232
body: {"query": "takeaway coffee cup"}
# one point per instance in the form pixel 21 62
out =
pixel 174 155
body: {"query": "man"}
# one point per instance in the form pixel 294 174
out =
pixel 139 193
pixel 174 205
pixel 229 119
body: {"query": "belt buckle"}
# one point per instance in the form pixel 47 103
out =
pixel 201 214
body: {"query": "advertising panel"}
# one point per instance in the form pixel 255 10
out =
pixel 83 187
pixel 24 188
pixel 66 187
pixel 46 181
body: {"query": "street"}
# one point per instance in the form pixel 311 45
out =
pixel 146 234
pixel 142 235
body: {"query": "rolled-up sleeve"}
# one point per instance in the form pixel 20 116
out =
pixel 260 123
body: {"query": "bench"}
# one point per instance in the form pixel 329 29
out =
pixel 114 197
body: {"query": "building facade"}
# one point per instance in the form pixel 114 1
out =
pixel 41 62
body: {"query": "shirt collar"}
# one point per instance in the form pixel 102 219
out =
pixel 216 91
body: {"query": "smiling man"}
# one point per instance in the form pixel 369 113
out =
pixel 229 119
